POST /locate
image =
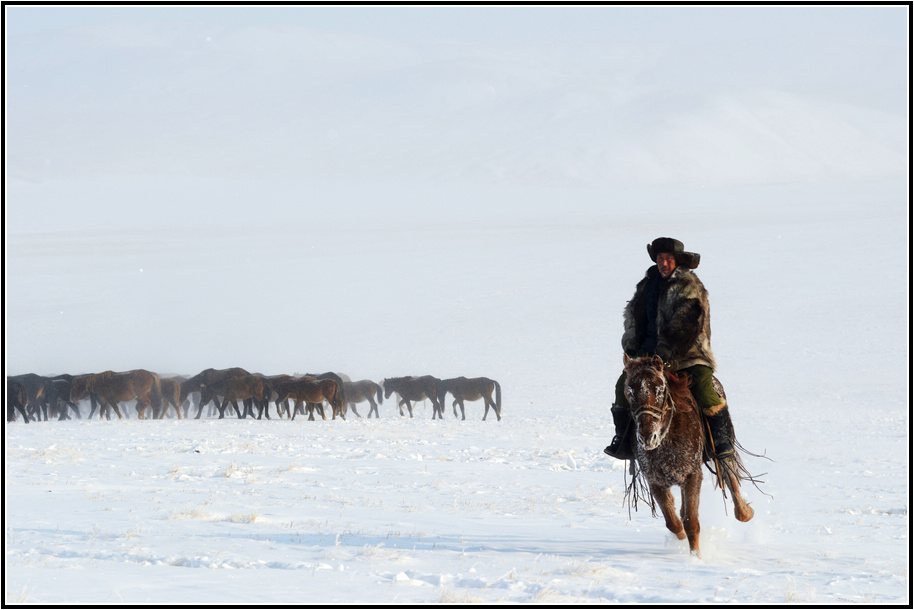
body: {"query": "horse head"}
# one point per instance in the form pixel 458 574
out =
pixel 80 387
pixel 649 399
pixel 388 385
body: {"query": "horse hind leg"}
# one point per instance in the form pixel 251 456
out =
pixel 113 405
pixel 495 408
pixel 728 470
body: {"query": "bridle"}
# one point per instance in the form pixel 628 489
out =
pixel 657 411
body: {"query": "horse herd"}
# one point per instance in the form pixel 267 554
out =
pixel 36 397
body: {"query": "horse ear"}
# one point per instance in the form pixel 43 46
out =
pixel 657 362
pixel 625 359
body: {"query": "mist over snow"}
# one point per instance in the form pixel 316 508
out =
pixel 453 191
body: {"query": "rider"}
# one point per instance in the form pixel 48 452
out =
pixel 669 316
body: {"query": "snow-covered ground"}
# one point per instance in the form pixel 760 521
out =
pixel 517 268
pixel 811 337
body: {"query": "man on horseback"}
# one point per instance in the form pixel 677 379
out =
pixel 669 316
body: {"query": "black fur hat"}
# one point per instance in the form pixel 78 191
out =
pixel 672 246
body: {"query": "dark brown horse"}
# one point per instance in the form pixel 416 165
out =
pixel 668 442
pixel 282 406
pixel 17 397
pixel 312 392
pixel 362 391
pixel 414 388
pixel 199 381
pixel 38 390
pixel 113 388
pixel 250 389
pixel 463 389
pixel 60 393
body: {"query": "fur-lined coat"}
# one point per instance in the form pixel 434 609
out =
pixel 683 319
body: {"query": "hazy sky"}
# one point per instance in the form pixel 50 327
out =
pixel 510 25
pixel 530 94
pixel 143 122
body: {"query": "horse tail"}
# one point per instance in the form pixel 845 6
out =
pixel 337 401
pixel 158 398
pixel 497 396
pixel 340 389
pixel 379 392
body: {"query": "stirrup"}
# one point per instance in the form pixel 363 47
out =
pixel 725 452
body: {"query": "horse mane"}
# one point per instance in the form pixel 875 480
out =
pixel 678 383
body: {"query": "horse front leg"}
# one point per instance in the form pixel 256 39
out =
pixel 221 408
pixel 691 492
pixel 664 497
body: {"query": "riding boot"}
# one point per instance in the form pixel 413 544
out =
pixel 621 446
pixel 721 429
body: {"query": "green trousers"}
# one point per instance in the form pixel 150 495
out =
pixel 699 383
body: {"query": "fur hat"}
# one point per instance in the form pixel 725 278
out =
pixel 672 246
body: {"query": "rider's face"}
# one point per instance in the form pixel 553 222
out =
pixel 666 264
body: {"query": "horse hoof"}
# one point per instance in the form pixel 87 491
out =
pixel 744 514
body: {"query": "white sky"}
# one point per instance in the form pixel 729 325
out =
pixel 184 118
pixel 511 25
pixel 591 95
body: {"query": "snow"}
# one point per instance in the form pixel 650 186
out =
pixel 492 245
